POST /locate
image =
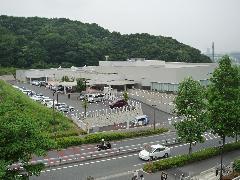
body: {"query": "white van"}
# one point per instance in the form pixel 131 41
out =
pixel 141 120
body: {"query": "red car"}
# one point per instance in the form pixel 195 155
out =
pixel 118 104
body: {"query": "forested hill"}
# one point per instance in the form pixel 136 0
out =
pixel 40 43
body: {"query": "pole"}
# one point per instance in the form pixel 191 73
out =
pixel 154 123
pixel 54 128
pixel 154 118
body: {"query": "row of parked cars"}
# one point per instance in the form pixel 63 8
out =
pixel 46 101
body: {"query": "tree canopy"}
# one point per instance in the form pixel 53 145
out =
pixel 191 107
pixel 223 98
pixel 35 42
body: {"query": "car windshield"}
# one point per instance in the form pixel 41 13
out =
pixel 148 148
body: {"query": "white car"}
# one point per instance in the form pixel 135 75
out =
pixel 50 103
pixel 90 98
pixel 66 108
pixel 36 98
pixel 154 152
pixel 45 101
pixel 36 83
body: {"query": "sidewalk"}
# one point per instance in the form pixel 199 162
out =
pixel 193 169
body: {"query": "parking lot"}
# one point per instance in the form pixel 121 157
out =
pixel 161 118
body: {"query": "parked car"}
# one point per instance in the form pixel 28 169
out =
pixel 26 91
pixel 36 83
pixel 56 106
pixel 81 97
pixel 90 98
pixel 118 104
pixel 66 108
pixel 99 97
pixel 141 120
pixel 154 152
pixel 45 101
pixel 50 103
pixel 36 98
pixel 43 83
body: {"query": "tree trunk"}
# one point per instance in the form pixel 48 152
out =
pixel 190 148
pixel 221 170
pixel 236 137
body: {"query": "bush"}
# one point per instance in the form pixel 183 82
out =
pixel 69 141
pixel 107 136
pixel 186 159
pixel 236 165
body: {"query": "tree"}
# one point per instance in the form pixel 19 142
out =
pixel 190 107
pixel 81 84
pixel 41 42
pixel 125 96
pixel 223 101
pixel 65 78
pixel 85 105
pixel 20 138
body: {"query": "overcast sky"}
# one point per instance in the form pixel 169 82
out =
pixel 193 22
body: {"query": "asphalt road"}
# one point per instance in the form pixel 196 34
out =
pixel 110 166
pixel 88 152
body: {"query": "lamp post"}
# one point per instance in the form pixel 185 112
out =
pixel 54 128
pixel 154 122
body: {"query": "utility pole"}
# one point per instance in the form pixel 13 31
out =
pixel 54 123
pixel 154 119
pixel 213 52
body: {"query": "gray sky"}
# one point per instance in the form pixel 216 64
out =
pixel 193 22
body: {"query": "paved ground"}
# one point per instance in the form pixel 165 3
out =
pixel 161 117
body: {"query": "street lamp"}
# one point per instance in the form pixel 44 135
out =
pixel 154 122
pixel 53 106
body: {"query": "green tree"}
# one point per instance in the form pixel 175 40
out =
pixel 223 99
pixel 20 138
pixel 65 79
pixel 85 105
pixel 81 84
pixel 125 96
pixel 190 106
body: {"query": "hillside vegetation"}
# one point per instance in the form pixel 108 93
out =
pixel 15 103
pixel 40 43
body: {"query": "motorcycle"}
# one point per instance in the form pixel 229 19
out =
pixel 104 147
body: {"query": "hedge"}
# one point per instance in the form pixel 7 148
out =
pixel 108 136
pixel 186 159
pixel 236 165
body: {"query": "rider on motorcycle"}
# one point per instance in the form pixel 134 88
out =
pixel 103 143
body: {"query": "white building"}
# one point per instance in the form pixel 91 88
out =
pixel 146 74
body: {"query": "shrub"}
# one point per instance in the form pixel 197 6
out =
pixel 186 159
pixel 236 165
pixel 107 136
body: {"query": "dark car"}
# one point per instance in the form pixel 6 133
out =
pixel 118 104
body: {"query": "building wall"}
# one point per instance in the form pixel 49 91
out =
pixel 142 72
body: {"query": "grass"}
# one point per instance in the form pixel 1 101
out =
pixel 62 129
pixel 15 101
